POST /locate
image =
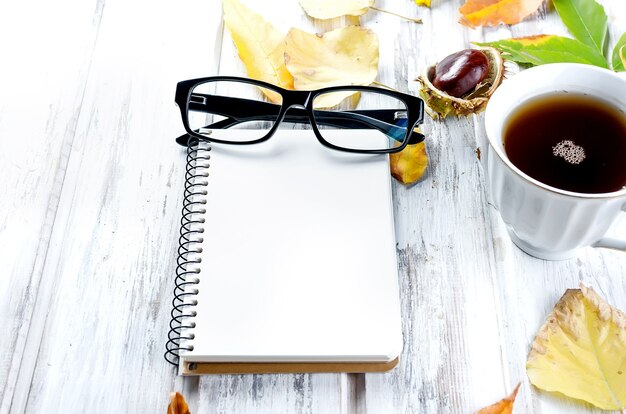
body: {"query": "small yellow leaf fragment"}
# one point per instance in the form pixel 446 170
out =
pixel 504 406
pixel 476 13
pixel 425 3
pixel 177 405
pixel 408 165
pixel 329 9
pixel 346 56
pixel 261 47
pixel 580 351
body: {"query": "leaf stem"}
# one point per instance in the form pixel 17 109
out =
pixel 411 19
pixel 382 85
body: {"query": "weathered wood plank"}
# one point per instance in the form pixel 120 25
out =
pixel 43 77
pixel 109 272
pixel 293 393
pixel 444 252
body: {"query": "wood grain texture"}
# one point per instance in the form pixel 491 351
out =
pixel 42 86
pixel 92 191
pixel 446 256
pixel 99 327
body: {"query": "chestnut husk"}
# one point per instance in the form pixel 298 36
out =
pixel 441 104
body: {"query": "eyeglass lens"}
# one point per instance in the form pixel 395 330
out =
pixel 384 116
pixel 231 105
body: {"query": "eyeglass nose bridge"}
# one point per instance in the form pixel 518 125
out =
pixel 294 106
pixel 296 99
pixel 295 110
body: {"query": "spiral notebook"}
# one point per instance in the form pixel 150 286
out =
pixel 287 260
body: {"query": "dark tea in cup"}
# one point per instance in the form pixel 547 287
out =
pixel 556 160
pixel 570 141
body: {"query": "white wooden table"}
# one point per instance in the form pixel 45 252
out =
pixel 90 197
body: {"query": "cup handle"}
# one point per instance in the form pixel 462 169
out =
pixel 612 243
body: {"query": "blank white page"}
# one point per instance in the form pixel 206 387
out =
pixel 299 261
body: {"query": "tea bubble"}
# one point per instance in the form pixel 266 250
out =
pixel 569 151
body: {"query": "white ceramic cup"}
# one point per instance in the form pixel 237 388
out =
pixel 545 221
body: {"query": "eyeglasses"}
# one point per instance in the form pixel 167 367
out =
pixel 209 106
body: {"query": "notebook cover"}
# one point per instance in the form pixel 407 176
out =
pixel 298 262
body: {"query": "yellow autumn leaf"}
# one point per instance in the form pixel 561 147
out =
pixel 504 406
pixel 425 3
pixel 261 47
pixel 408 165
pixel 346 56
pixel 580 351
pixel 329 9
pixel 476 13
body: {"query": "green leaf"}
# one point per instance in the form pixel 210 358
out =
pixel 586 20
pixel 619 54
pixel 542 49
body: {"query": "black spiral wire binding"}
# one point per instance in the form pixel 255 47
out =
pixel 189 246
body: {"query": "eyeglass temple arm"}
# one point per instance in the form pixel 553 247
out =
pixel 415 137
pixel 345 119
pixel 247 108
pixel 238 110
pixel 339 119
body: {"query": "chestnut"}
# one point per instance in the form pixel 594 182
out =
pixel 460 72
pixel 462 83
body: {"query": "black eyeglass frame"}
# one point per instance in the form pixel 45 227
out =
pixel 294 101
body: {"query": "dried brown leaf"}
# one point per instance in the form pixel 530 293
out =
pixel 504 406
pixel 476 13
pixel 178 405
